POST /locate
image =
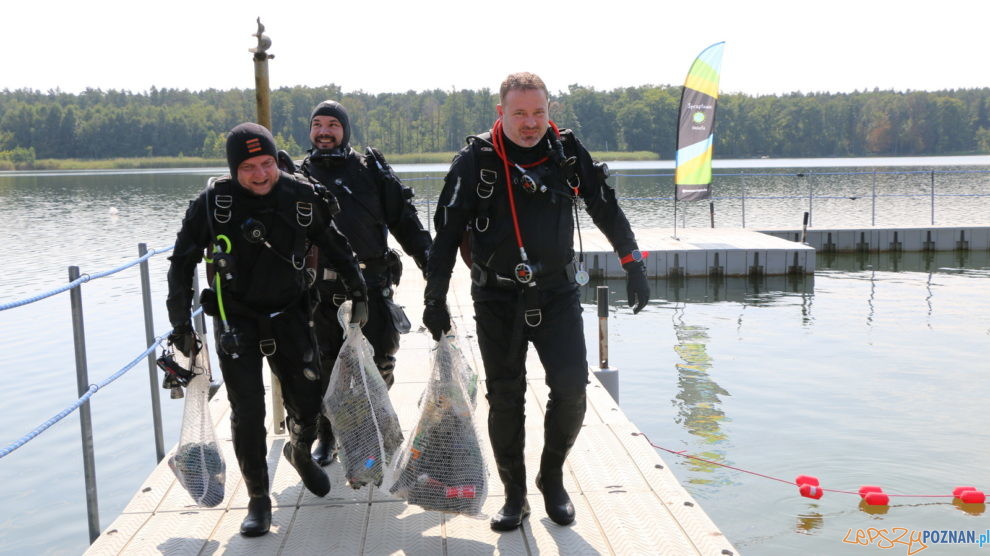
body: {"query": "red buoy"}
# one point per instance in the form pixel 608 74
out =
pixel 959 490
pixel 876 498
pixel 811 491
pixel 806 480
pixel 972 497
pixel 866 489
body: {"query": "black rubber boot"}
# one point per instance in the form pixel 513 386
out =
pixel 511 515
pixel 326 443
pixel 297 452
pixel 506 417
pixel 561 427
pixel 259 517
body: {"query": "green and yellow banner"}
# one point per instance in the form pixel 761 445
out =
pixel 693 169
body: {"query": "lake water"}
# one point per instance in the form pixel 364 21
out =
pixel 871 372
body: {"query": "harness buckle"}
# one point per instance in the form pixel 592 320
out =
pixel 533 317
pixel 488 176
pixel 304 213
pixel 222 212
pixel 337 299
pixel 267 347
pixel 477 224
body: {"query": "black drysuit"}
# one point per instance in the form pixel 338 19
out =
pixel 475 198
pixel 373 202
pixel 266 301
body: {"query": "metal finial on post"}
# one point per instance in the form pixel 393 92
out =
pixel 261 57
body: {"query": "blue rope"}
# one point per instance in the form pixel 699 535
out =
pixel 93 388
pixel 82 279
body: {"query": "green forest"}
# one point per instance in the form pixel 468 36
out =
pixel 97 124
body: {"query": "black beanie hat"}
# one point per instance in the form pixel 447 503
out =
pixel 335 109
pixel 247 140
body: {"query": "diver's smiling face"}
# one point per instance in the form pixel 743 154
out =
pixel 326 132
pixel 258 174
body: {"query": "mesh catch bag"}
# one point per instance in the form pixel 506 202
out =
pixel 198 463
pixel 442 467
pixel 361 413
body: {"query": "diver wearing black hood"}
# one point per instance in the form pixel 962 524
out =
pixel 258 225
pixel 373 202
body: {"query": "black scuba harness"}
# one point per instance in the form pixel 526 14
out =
pixel 523 272
pixel 223 262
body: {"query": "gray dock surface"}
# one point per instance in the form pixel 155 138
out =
pixel 626 498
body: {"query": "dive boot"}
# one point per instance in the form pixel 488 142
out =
pixel 562 424
pixel 326 444
pixel 259 517
pixel 556 500
pixel 312 474
pixel 512 514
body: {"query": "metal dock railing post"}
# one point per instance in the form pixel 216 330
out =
pixel 85 420
pixel 607 376
pixel 149 335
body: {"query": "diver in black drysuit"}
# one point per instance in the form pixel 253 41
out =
pixel 373 202
pixel 265 300
pixel 508 313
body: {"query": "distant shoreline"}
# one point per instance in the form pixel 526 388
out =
pixel 631 160
pixel 162 162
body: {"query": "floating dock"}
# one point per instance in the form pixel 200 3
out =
pixel 626 498
pixel 702 252
pixel 920 238
pixel 720 252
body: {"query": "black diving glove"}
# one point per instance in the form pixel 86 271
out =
pixel 436 317
pixel 359 308
pixel 637 287
pixel 183 339
pixel 359 313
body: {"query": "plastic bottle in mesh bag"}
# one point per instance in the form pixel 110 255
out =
pixel 198 463
pixel 442 467
pixel 361 413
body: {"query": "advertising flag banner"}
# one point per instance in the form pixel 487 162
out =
pixel 696 125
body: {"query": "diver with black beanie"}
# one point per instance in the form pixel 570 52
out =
pixel 373 203
pixel 257 226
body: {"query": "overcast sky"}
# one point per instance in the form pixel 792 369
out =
pixel 772 47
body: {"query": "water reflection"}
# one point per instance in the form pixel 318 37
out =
pixel 762 290
pixel 698 400
pixel 808 523
pixel 961 262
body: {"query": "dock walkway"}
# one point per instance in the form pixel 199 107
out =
pixel 626 498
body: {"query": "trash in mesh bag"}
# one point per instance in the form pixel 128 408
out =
pixel 442 467
pixel 449 353
pixel 198 463
pixel 361 413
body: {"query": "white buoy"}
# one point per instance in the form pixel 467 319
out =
pixel 113 211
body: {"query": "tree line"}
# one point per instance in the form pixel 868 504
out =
pixel 97 124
